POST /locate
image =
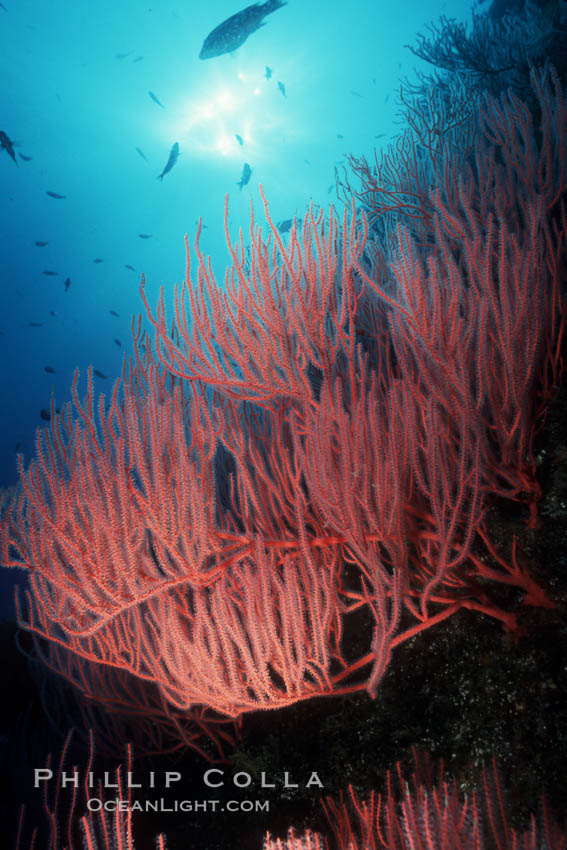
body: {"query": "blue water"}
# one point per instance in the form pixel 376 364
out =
pixel 76 78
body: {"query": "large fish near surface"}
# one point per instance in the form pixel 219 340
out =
pixel 173 154
pixel 233 32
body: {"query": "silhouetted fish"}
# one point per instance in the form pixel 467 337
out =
pixel 49 369
pixel 123 55
pixel 137 59
pixel 8 145
pixel 41 244
pixel 155 99
pixel 145 235
pixel 173 154
pixel 113 312
pixel 238 139
pixel 45 415
pixel 285 226
pixel 100 374
pixel 67 283
pixel 50 273
pixel 55 195
pixel 246 174
pixel 25 158
pixel 142 154
pixel 340 136
pixel 35 324
pixel 282 88
pixel 117 342
pixel 233 32
pixel 268 73
pixel 127 266
pixel 98 260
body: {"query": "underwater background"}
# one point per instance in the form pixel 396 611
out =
pixel 95 96
pixel 76 84
pixel 76 79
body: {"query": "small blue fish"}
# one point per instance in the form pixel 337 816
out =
pixel 286 225
pixel 282 88
pixel 145 235
pixel 8 145
pixel 142 154
pixel 55 195
pixel 268 73
pixel 246 174
pixel 238 139
pixel 173 154
pixel 155 99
